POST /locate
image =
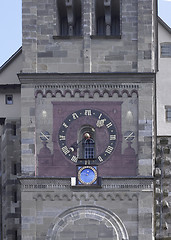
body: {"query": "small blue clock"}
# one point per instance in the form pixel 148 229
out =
pixel 87 175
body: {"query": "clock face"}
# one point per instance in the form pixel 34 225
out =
pixel 87 175
pixel 98 128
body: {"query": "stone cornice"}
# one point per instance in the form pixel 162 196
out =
pixel 14 86
pixel 50 78
pixel 108 184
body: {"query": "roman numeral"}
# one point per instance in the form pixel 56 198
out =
pixel 109 149
pixel 112 137
pixel 100 159
pixel 65 125
pixel 65 150
pixel 87 113
pixel 62 138
pixel 75 116
pixel 74 159
pixel 109 125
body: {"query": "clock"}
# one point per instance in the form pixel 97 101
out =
pixel 87 175
pixel 89 147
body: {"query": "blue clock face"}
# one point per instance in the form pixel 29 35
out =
pixel 87 175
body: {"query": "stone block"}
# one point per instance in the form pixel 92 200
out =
pixel 114 57
pixel 60 54
pixel 45 54
pixel 147 54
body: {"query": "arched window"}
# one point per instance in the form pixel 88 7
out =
pixel 86 140
pixel 107 17
pixel 88 148
pixel 69 17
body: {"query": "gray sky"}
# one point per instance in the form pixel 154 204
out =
pixel 10 25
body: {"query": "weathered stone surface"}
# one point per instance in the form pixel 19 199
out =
pixel 42 21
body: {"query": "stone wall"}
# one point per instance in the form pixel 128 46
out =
pixel 122 208
pixel 162 188
pixel 10 167
pixel 87 71
pixel 37 111
pixel 45 51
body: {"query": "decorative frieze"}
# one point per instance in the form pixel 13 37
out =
pixel 86 196
pixel 34 184
pixel 132 184
pixel 83 89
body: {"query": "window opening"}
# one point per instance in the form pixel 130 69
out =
pixel 2 121
pixel 14 129
pixel 9 99
pixel 14 168
pixel 15 196
pixel 15 235
pixel 86 142
pixel 168 114
pixel 69 17
pixel 88 148
pixel 108 17
pixel 166 50
pixel 4 163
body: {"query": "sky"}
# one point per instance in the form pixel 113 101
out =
pixel 11 25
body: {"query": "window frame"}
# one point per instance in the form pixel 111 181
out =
pixel 164 53
pixel 81 138
pixel 7 101
pixel 88 148
pixel 13 128
pixel 168 111
pixel 114 18
pixel 63 29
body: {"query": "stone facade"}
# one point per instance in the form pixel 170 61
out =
pixel 120 209
pixel 162 87
pixel 45 50
pixel 10 167
pixel 112 74
pixel 10 148
pixel 163 169
pixel 38 98
pixel 68 72
pixel 87 204
pixel 162 188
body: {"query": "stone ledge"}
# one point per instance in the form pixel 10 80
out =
pixel 108 184
pixel 79 78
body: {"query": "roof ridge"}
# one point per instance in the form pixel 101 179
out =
pixel 164 24
pixel 10 59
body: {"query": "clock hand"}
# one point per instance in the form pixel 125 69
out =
pixel 75 145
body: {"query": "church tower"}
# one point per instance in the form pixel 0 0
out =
pixel 87 119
